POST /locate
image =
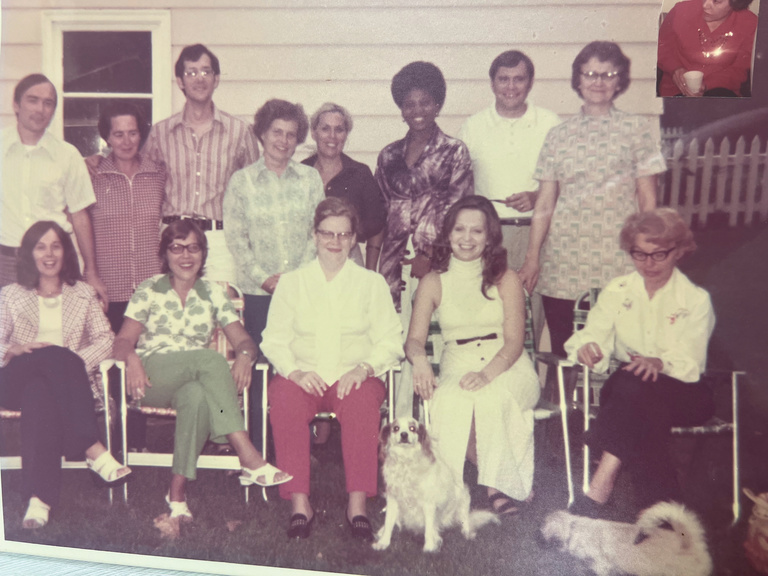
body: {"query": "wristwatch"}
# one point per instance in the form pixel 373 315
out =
pixel 367 367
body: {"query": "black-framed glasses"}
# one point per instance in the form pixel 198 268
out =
pixel 179 248
pixel 592 76
pixel 195 73
pixel 658 256
pixel 327 235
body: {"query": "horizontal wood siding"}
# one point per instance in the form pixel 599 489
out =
pixel 348 50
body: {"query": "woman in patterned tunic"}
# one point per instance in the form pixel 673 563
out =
pixel 595 169
pixel 711 36
pixel 164 343
pixel 483 402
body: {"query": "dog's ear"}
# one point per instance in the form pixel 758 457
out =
pixel 641 537
pixel 384 440
pixel 426 443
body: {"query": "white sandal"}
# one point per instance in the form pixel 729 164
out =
pixel 269 472
pixel 107 467
pixel 179 510
pixel 37 514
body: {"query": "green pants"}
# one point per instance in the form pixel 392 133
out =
pixel 198 385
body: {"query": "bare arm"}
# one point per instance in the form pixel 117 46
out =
pixel 125 349
pixel 246 351
pixel 428 296
pixel 542 217
pixel 646 192
pixel 81 222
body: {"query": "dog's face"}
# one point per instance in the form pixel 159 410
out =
pixel 404 434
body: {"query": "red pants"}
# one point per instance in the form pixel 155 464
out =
pixel 291 411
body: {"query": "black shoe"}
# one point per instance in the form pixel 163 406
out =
pixel 361 528
pixel 583 505
pixel 300 527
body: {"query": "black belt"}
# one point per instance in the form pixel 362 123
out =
pixel 462 341
pixel 202 223
pixel 9 251
pixel 515 221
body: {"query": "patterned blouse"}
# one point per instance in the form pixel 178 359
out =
pixel 417 198
pixel 596 161
pixel 126 224
pixel 269 221
pixel 170 326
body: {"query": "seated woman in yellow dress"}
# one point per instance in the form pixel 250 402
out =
pixel 483 402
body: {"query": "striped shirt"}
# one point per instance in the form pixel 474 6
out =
pixel 126 225
pixel 199 168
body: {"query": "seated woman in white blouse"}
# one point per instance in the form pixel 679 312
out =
pixel 657 323
pixel 331 329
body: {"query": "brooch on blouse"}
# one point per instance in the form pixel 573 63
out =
pixel 627 304
pixel 682 313
pixel 713 47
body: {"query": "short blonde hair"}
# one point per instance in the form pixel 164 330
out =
pixel 662 226
pixel 331 108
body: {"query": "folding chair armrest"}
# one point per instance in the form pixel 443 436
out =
pixel 552 359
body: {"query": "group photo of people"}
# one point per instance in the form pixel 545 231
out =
pixel 434 274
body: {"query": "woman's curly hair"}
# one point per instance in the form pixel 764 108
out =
pixel 494 256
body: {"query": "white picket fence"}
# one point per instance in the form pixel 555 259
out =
pixel 701 183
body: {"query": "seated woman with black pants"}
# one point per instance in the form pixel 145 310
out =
pixel 53 335
pixel 657 323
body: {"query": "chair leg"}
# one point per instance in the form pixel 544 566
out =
pixel 566 434
pixel 264 416
pixel 736 508
pixel 585 484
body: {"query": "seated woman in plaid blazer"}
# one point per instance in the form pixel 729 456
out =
pixel 53 335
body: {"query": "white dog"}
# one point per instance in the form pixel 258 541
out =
pixel 666 540
pixel 422 492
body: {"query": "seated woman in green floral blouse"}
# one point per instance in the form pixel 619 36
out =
pixel 164 343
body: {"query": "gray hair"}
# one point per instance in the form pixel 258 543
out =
pixel 314 121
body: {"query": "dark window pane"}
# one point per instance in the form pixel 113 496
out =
pixel 81 120
pixel 108 62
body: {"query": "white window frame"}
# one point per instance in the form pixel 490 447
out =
pixel 158 22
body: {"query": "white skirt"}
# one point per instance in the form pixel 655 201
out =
pixel 503 415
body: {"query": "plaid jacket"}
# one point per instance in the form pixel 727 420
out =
pixel 86 330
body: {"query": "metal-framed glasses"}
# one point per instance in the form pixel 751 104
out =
pixel 593 76
pixel 658 256
pixel 327 235
pixel 195 73
pixel 179 248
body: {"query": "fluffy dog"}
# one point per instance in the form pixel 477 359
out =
pixel 422 492
pixel 666 540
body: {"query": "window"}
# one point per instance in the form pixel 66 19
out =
pixel 96 56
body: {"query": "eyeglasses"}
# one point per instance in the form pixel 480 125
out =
pixel 179 248
pixel 195 73
pixel 658 256
pixel 327 235
pixel 592 76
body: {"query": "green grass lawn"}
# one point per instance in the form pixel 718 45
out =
pixel 85 520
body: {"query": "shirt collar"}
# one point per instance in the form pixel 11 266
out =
pixel 108 165
pixel 11 137
pixel 291 171
pixel 178 119
pixel 529 117
pixel 163 286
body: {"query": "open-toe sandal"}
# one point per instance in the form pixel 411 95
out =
pixel 179 510
pixel 268 471
pixel 36 515
pixel 361 528
pixel 509 508
pixel 107 467
pixel 299 526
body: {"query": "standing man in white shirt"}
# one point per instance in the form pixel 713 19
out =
pixel 504 141
pixel 43 178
